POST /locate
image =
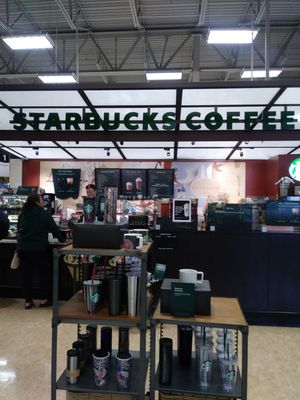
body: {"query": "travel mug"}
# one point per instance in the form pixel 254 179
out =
pixel 73 369
pixel 123 370
pixel 165 361
pixel 101 367
pixel 91 289
pixel 79 345
pixel 123 340
pixel 114 295
pixel 184 345
pixel 84 337
pixel 132 293
pixel 91 330
pixel 106 338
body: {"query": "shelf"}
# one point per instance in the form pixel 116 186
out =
pixel 224 311
pixel 86 380
pixel 185 381
pixel 74 309
pixel 105 252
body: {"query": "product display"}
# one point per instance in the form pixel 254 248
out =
pixel 73 368
pixel 101 367
pixel 123 370
pixel 165 361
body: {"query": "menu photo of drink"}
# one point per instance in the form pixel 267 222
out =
pixel 182 210
pixel 133 183
pixel 66 183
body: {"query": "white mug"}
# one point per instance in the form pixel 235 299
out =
pixel 135 238
pixel 188 275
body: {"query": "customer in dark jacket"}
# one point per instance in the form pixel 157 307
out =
pixel 34 224
pixel 4 225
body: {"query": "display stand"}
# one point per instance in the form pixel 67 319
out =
pixel 225 313
pixel 73 311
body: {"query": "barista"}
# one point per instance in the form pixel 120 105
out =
pixel 91 190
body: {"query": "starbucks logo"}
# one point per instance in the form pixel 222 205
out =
pixel 88 208
pixel 294 169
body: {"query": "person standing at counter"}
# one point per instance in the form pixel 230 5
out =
pixel 4 225
pixel 91 190
pixel 34 224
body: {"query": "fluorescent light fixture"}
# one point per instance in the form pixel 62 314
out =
pixel 28 42
pixel 231 36
pixel 59 78
pixel 163 76
pixel 273 73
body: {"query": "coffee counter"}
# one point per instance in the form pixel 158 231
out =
pixel 261 269
pixel 10 280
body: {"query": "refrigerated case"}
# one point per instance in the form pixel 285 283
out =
pixel 12 205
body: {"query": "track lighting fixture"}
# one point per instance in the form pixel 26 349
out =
pixel 193 143
pixel 121 142
pixel 241 153
pixel 29 141
pixel 107 151
pixel 77 141
pixel 167 149
pixel 37 150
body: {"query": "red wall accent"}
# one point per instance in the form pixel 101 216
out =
pixel 31 173
pixel 260 178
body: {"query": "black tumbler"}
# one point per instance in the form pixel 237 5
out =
pixel 165 361
pixel 114 295
pixel 123 340
pixel 91 330
pixel 106 335
pixel 184 345
pixel 86 346
pixel 79 346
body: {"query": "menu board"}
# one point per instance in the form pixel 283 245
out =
pixel 105 177
pixel 181 210
pixel 134 183
pixel 160 183
pixel 27 190
pixel 66 183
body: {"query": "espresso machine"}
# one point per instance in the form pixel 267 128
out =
pixel 49 202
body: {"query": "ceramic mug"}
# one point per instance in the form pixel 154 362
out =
pixel 135 238
pixel 189 275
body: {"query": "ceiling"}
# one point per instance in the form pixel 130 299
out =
pixel 111 44
pixel 117 41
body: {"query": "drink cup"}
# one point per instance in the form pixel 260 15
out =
pixel 129 186
pixel 91 290
pixel 101 367
pixel 123 370
pixel 228 367
pixel 204 355
pixel 138 183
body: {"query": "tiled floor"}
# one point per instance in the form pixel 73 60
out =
pixel 25 350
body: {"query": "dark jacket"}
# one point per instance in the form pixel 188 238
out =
pixel 4 225
pixel 33 228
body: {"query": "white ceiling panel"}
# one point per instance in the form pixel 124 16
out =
pixel 5 117
pixel 132 97
pixel 42 98
pixel 279 143
pixel 88 153
pixel 259 153
pixel 34 143
pixel 86 144
pixel 207 144
pixel 12 152
pixel 203 154
pixel 289 96
pixel 146 144
pixel 228 96
pixel 47 153
pixel 148 154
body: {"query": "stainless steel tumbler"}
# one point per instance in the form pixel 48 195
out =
pixel 133 293
pixel 73 369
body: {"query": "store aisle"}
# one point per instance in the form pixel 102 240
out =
pixel 25 351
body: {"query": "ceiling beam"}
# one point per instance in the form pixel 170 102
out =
pixel 176 51
pixel 202 14
pixel 148 136
pixel 65 14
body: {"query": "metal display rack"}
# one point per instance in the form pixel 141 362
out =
pixel 225 313
pixel 73 312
